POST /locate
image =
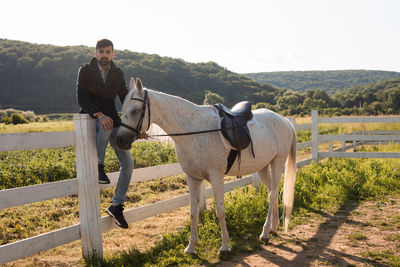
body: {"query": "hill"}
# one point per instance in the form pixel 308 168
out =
pixel 42 77
pixel 382 97
pixel 328 81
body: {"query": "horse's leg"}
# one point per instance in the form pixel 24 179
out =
pixel 265 177
pixel 194 191
pixel 272 220
pixel 217 182
pixel 275 221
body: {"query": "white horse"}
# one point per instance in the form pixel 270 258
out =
pixel 204 156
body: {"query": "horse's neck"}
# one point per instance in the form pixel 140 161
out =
pixel 177 115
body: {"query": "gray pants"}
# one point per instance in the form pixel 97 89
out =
pixel 124 158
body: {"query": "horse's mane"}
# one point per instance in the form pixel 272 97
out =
pixel 182 100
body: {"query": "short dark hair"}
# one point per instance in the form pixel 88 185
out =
pixel 104 43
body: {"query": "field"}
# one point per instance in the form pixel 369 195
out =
pixel 51 126
pixel 324 193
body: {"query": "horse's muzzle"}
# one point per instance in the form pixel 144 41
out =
pixel 125 142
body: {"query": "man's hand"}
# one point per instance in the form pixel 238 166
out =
pixel 106 123
pixel 143 135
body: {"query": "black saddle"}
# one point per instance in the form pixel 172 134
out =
pixel 240 110
pixel 235 130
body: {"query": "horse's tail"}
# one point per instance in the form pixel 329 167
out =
pixel 290 180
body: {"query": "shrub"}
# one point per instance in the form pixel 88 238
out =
pixel 18 119
pixel 14 116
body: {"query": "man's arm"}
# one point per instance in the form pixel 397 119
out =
pixel 123 91
pixel 87 104
pixel 83 95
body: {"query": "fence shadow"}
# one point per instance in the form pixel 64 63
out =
pixel 314 248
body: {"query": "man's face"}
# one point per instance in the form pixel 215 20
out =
pixel 104 55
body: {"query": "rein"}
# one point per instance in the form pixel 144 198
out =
pixel 197 132
pixel 146 103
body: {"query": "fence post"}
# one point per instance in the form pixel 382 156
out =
pixel 343 143
pixel 363 141
pixel 292 121
pixel 354 142
pixel 255 181
pixel 314 134
pixel 203 200
pixel 88 187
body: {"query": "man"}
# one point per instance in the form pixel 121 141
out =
pixel 98 83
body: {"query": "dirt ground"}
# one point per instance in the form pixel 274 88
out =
pixel 363 235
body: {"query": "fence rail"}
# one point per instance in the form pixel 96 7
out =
pixel 327 138
pixel 27 141
pixel 87 182
pixel 30 194
pixel 380 136
pixel 364 155
pixel 359 119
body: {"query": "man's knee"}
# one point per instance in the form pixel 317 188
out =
pixel 127 163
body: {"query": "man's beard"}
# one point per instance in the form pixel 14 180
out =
pixel 104 61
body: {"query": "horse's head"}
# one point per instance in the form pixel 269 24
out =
pixel 135 115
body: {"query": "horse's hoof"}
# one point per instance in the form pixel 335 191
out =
pixel 224 253
pixel 264 239
pixel 273 233
pixel 189 251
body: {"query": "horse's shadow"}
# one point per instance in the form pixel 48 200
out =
pixel 314 248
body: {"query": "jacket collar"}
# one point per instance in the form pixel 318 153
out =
pixel 93 65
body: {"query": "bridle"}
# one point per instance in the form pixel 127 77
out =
pixel 146 104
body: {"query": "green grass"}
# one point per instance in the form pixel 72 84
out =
pixel 28 167
pixel 395 237
pixel 357 236
pixel 319 187
pixel 60 116
pixel 52 126
pixel 36 218
pixel 336 128
pixel 385 255
pixel 305 135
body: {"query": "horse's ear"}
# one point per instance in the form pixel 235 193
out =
pixel 139 84
pixel 132 84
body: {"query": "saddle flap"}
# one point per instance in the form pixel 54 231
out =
pixel 234 128
pixel 239 137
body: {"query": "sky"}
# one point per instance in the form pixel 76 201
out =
pixel 243 36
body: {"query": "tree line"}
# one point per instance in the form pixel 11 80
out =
pixel 42 78
pixel 379 98
pixel 329 81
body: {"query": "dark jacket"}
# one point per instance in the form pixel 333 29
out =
pixel 94 96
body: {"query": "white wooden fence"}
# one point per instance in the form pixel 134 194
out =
pixel 86 186
pixel 380 136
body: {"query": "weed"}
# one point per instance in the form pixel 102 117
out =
pixel 395 237
pixel 385 256
pixel 357 236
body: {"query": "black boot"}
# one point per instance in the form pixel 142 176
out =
pixel 103 179
pixel 117 212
